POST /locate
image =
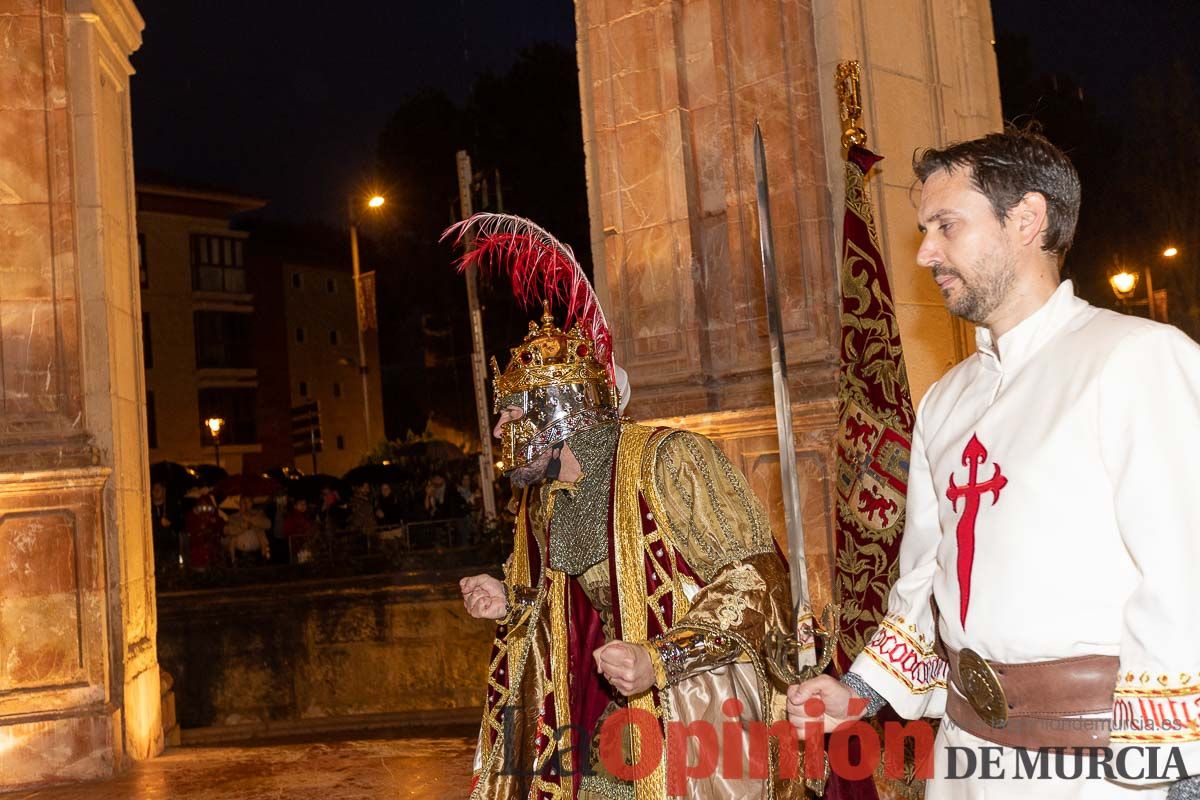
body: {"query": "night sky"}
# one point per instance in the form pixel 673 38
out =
pixel 1102 44
pixel 286 100
pixel 289 104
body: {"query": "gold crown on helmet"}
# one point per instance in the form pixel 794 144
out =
pixel 548 356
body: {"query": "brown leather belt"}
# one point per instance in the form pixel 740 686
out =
pixel 1032 705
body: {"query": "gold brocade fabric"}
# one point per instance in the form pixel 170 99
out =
pixel 695 562
pixel 713 516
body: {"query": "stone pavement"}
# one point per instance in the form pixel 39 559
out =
pixel 371 769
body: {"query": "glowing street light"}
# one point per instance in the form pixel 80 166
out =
pixel 374 202
pixel 1123 283
pixel 1171 252
pixel 214 425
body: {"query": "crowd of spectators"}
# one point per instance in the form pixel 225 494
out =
pixel 315 520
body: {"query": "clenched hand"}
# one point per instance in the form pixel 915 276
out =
pixel 484 597
pixel 626 666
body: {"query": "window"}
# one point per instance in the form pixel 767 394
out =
pixel 217 264
pixel 223 340
pixel 297 280
pixel 151 420
pixel 147 342
pixel 300 335
pixel 341 442
pixel 337 390
pixel 234 405
pixel 331 285
pixel 143 268
pixel 333 337
pixel 304 388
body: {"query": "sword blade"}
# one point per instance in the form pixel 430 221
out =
pixel 783 404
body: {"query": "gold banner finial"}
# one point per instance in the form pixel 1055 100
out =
pixel 847 81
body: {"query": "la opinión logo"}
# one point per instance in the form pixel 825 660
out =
pixel 737 749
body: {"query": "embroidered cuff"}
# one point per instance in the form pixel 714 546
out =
pixel 856 684
pixel 660 669
pixel 688 651
pixel 519 600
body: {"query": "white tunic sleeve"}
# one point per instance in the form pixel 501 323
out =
pixel 1149 414
pixel 898 662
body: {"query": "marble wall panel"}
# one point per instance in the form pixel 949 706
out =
pixel 55 751
pixel 700 85
pixel 911 283
pixel 41 642
pixel 930 348
pixel 53 598
pixel 642 173
pixel 752 35
pixel 898 40
pixel 908 103
pixel 23 168
pixel 636 82
pixel 38 340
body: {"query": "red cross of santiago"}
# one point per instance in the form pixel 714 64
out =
pixel 972 458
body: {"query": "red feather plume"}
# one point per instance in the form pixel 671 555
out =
pixel 540 268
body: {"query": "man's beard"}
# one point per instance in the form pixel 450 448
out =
pixel 976 301
pixel 532 472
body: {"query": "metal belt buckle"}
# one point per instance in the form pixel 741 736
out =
pixel 982 688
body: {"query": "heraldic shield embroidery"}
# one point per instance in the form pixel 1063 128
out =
pixel 875 427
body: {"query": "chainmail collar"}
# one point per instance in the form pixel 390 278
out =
pixel 579 521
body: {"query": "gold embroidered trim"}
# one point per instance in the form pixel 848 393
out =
pixel 1146 691
pixel 922 653
pixel 1165 737
pixel 521 642
pixel 629 556
pixel 559 668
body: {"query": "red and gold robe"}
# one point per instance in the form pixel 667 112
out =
pixel 691 563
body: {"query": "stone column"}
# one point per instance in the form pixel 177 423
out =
pixel 670 90
pixel 928 79
pixel 79 686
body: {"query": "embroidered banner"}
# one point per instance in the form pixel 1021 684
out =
pixel 875 428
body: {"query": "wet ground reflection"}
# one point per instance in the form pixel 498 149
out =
pixel 428 768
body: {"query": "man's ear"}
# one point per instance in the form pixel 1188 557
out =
pixel 1030 217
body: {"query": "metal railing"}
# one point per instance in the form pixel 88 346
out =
pixel 348 551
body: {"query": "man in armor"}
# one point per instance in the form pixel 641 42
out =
pixel 644 578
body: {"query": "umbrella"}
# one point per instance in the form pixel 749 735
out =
pixel 432 450
pixel 284 474
pixel 175 477
pixel 309 487
pixel 375 474
pixel 209 474
pixel 246 484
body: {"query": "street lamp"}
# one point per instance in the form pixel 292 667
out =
pixel 1123 283
pixel 214 427
pixel 375 201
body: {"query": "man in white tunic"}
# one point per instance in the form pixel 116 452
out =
pixel 1048 594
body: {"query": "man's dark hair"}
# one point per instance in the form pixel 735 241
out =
pixel 1005 167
